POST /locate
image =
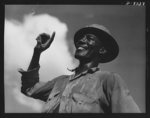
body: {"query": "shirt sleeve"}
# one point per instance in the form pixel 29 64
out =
pixel 121 100
pixel 32 87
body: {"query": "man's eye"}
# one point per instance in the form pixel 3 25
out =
pixel 90 37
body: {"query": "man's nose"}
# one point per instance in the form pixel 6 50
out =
pixel 84 39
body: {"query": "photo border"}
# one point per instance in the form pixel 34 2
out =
pixel 32 115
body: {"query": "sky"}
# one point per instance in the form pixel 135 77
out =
pixel 23 23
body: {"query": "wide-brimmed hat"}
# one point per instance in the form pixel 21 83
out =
pixel 104 36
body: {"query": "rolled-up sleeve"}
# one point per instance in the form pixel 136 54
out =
pixel 32 87
pixel 121 100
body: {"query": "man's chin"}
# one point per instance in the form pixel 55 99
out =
pixel 79 57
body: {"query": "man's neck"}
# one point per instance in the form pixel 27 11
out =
pixel 86 66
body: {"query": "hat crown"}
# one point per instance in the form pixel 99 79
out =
pixel 101 27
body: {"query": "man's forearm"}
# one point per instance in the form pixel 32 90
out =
pixel 35 59
pixel 39 48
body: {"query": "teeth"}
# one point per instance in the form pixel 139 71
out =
pixel 80 48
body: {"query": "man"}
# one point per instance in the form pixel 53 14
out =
pixel 89 90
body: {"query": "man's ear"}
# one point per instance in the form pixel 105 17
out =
pixel 102 50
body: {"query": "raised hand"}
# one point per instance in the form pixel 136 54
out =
pixel 44 41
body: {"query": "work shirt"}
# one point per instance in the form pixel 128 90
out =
pixel 92 91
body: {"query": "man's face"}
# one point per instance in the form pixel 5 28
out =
pixel 87 47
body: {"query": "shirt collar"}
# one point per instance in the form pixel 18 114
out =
pixel 91 70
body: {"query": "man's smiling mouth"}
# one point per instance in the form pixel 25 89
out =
pixel 82 47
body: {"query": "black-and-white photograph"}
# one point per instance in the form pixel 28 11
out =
pixel 74 59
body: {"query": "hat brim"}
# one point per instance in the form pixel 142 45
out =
pixel 107 40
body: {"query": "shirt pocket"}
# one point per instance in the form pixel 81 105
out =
pixel 84 104
pixel 82 99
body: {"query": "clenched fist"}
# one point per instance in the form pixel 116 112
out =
pixel 44 41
